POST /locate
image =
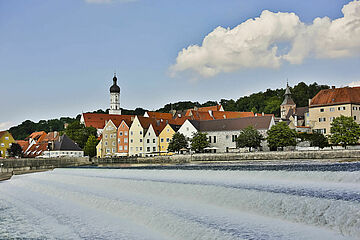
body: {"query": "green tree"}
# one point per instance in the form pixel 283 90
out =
pixel 249 137
pixel 280 136
pixel 15 150
pixel 344 131
pixel 318 140
pixel 90 146
pixel 79 133
pixel 199 141
pixel 177 142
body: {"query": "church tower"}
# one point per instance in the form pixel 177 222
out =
pixel 115 98
pixel 288 104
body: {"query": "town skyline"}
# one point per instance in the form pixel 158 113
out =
pixel 69 63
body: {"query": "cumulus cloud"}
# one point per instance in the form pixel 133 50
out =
pixel 272 39
pixel 5 125
pixel 108 1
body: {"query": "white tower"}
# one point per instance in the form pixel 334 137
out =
pixel 115 98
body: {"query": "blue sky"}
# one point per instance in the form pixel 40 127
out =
pixel 57 58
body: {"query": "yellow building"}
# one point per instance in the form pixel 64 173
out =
pixel 99 150
pixel 165 137
pixel 109 140
pixel 331 103
pixel 6 140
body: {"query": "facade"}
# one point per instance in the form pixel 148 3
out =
pixel 165 137
pixel 109 140
pixel 6 140
pixel 188 129
pixel 136 137
pixel 123 139
pixel 151 146
pixel 222 133
pixel 115 98
pixel 331 103
pixel 99 150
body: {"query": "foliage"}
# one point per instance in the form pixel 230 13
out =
pixel 199 141
pixel 316 139
pixel 280 136
pixel 79 133
pixel 15 150
pixel 344 131
pixel 177 142
pixel 90 146
pixel 27 127
pixel 249 137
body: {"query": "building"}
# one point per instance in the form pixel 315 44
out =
pixel 109 139
pixel 288 104
pixel 99 149
pixel 115 98
pixel 331 103
pixel 165 137
pixel 222 133
pixel 6 140
pixel 63 147
pixel 123 138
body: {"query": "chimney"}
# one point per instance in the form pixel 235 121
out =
pixel 262 114
pixel 196 108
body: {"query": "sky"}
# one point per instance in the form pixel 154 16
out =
pixel 57 58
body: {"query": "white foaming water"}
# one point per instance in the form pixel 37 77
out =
pixel 180 204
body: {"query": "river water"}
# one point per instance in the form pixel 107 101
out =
pixel 197 202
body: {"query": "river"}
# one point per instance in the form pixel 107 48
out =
pixel 196 202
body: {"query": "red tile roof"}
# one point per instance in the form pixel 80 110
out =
pixel 97 120
pixel 23 144
pixel 159 115
pixel 336 96
pixel 37 136
pixel 228 115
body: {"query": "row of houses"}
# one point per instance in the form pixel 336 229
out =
pixel 148 135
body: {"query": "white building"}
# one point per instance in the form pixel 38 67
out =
pixel 63 147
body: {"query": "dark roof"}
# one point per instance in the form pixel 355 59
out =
pixel 66 144
pixel 336 96
pixel 301 111
pixel 260 122
pixel 114 88
pixel 288 100
pixel 175 127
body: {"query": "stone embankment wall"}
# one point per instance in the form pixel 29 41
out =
pixel 36 164
pixel 221 157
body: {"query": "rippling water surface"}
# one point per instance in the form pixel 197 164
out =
pixel 215 202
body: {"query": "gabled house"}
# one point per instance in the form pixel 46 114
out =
pixel 109 139
pixel 331 103
pixel 165 137
pixel 63 147
pixel 6 140
pixel 123 138
pixel 150 141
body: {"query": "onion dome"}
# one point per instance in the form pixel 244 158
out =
pixel 114 88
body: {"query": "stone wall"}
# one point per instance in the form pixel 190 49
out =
pixel 31 164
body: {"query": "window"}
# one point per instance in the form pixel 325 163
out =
pixel 113 150
pixel 332 109
pixel 140 148
pixel 105 136
pixel 355 108
pixel 153 140
pixel 214 139
pixel 162 140
pixel 6 138
pixel 140 132
pixel 125 147
pixel 131 141
pixel 125 140
pixel 332 119
pixel 137 149
pixel 167 130
pixel 113 143
pixel 187 129
pixel 321 110
pixel 147 140
pixel 149 134
pixel 167 139
pixel 140 139
pixel 120 148
pixel 148 149
pixel 120 133
pixel 233 138
pixel 105 143
pixel 10 144
pixel 131 133
pixel 107 150
pixel 341 108
pixel 227 136
pixel 354 119
pixel 126 133
pixel 119 141
pixel 154 149
pixel 209 139
pixel 322 119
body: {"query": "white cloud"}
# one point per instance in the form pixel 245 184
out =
pixel 354 84
pixel 5 125
pixel 108 1
pixel 271 39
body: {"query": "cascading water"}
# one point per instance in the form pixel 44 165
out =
pixel 181 204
